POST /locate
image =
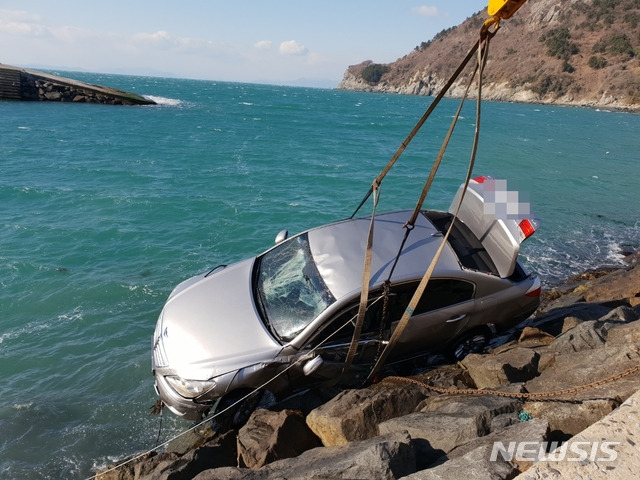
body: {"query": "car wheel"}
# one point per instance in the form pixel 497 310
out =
pixel 472 342
pixel 234 409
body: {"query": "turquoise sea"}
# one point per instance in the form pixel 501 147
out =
pixel 104 209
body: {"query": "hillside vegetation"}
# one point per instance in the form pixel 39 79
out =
pixel 580 52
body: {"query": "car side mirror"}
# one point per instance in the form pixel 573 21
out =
pixel 282 236
pixel 312 365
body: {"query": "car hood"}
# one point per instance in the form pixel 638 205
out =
pixel 210 326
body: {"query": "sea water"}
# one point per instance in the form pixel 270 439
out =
pixel 104 209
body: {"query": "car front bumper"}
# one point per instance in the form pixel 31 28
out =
pixel 182 407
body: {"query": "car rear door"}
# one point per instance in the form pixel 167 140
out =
pixel 444 310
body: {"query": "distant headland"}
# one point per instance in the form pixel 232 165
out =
pixel 580 53
pixel 22 84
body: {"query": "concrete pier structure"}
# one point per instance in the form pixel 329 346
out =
pixel 32 85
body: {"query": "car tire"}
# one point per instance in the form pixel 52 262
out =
pixel 232 412
pixel 471 342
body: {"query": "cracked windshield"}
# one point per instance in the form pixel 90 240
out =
pixel 291 289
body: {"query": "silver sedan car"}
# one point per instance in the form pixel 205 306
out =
pixel 284 320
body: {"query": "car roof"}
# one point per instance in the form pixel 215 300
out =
pixel 339 250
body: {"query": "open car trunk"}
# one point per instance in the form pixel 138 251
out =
pixel 496 218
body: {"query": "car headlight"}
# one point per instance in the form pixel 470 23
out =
pixel 190 388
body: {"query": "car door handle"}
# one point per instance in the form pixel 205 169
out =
pixel 456 319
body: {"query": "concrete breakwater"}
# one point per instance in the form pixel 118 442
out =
pixel 22 84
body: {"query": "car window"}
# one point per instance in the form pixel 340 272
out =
pixel 468 248
pixel 439 293
pixel 289 287
pixel 341 328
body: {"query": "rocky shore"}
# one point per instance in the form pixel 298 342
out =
pixel 22 84
pixel 587 330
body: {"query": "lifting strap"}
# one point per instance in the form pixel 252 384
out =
pixel 364 292
pixel 410 224
pixel 482 59
pixel 485 35
pixel 418 125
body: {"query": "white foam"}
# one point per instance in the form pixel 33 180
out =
pixel 172 102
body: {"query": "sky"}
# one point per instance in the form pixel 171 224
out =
pixel 288 42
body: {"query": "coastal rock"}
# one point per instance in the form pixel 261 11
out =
pixel 583 336
pixel 624 334
pixel 534 430
pixel 355 414
pixel 270 436
pixel 483 408
pixel 475 464
pixel 386 457
pixel 514 365
pixel 433 433
pixel 567 419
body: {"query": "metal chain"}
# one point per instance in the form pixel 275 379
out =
pixel 473 391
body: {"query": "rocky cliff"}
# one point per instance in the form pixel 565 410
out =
pixel 575 52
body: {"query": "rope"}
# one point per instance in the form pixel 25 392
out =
pixel 472 391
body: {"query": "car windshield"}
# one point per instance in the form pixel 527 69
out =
pixel 290 289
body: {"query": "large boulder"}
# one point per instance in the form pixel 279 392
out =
pixel 584 336
pixel 445 422
pixel 535 430
pixel 593 333
pixel 434 434
pixel 624 334
pixel 579 369
pixel 386 457
pixel 269 436
pixel 478 458
pixel 355 414
pixel 482 407
pixel 476 464
pixel 566 418
pixel 514 365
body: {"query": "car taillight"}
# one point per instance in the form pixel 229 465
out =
pixel 527 228
pixel 481 179
pixel 535 289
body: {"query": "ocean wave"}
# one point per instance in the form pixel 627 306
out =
pixel 171 102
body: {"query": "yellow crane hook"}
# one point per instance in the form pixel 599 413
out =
pixel 504 8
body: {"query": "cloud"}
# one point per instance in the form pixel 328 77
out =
pixel 263 44
pixel 427 11
pixel 21 23
pixel 291 47
pixel 161 36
